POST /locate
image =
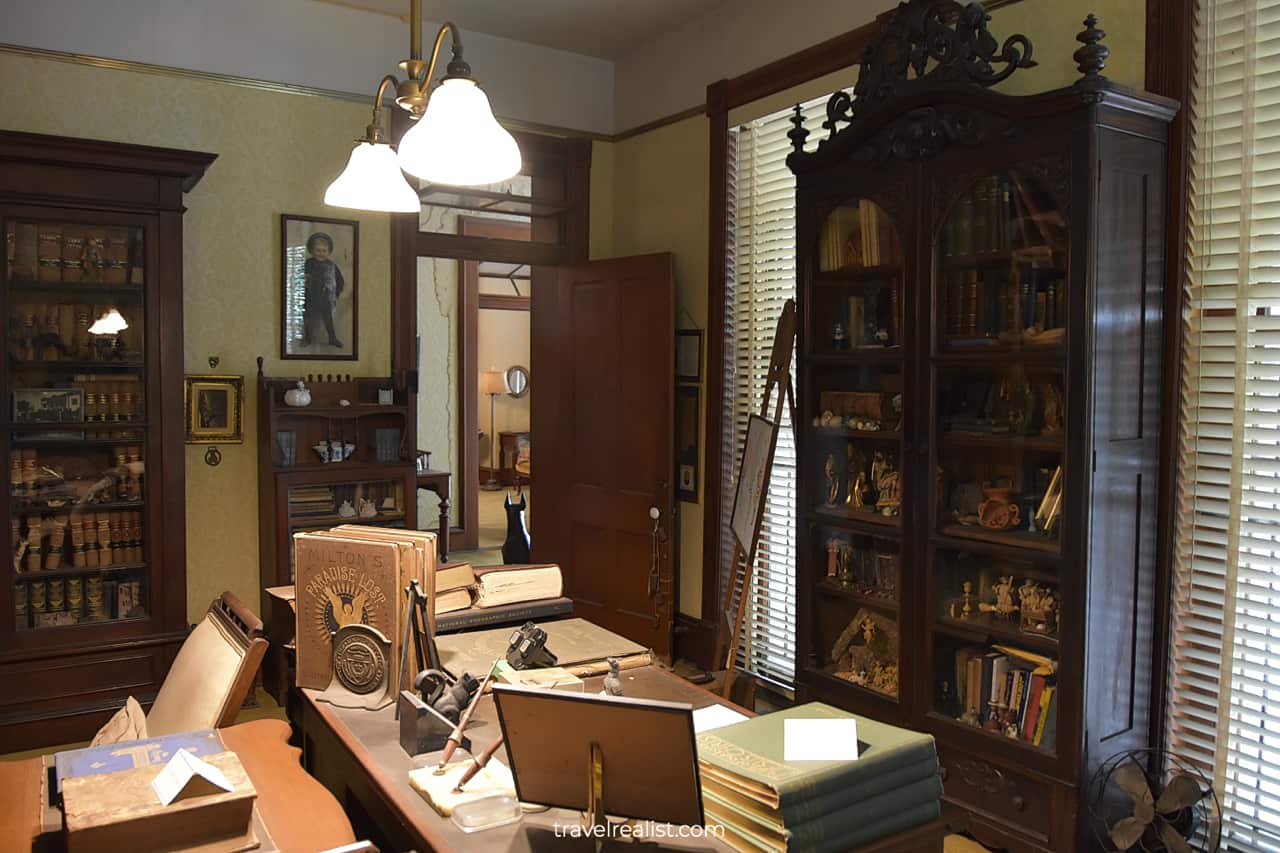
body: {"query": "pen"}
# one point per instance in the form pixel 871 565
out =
pixel 478 763
pixel 455 737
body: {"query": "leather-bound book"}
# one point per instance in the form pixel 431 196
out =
pixel 49 251
pixel 72 252
pixel 116 255
pixel 25 252
pixel 497 585
pixel 342 581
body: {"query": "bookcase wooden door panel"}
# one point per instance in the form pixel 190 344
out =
pixel 91 375
pixel 979 385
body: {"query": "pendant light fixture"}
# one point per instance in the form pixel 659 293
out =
pixel 454 139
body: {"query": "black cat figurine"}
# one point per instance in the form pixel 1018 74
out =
pixel 516 548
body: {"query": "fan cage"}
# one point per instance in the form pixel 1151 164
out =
pixel 1102 801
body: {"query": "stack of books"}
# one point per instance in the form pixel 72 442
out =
pixel 766 803
pixel 311 500
pixel 454 583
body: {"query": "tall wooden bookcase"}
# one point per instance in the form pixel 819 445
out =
pixel 92 428
pixel 980 280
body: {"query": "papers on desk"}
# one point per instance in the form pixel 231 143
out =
pixel 186 775
pixel 715 716
pixel 820 739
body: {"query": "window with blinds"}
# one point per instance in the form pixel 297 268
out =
pixel 761 277
pixel 1224 698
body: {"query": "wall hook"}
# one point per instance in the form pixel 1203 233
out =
pixel 213 362
pixel 213 457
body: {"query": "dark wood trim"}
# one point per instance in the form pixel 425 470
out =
pixel 465 246
pixel 1170 58
pixel 468 492
pixel 499 302
pixel 659 123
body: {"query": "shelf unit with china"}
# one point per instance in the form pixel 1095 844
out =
pixel 979 370
pixel 339 454
pixel 91 383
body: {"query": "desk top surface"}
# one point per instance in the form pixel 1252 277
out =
pixel 373 738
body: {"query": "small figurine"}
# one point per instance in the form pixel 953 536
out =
pixel 833 551
pixel 368 509
pixel 839 337
pixel 889 493
pixel 613 680
pixel 1004 606
pixel 833 482
pixel 347 510
pixel 1052 408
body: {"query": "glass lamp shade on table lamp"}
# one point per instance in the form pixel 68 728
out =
pixel 372 181
pixel 110 323
pixel 458 141
pixel 493 382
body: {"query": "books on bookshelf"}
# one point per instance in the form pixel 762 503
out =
pixel 859 234
pixel 1025 302
pixel 57 252
pixel 1009 691
pixel 1002 212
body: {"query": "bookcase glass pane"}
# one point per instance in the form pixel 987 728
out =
pixel 856 443
pixel 856 301
pixel 995 629
pixel 324 505
pixel 76 421
pixel 1001 441
pixel 857 607
pixel 1002 256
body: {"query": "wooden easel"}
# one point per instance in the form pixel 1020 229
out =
pixel 779 378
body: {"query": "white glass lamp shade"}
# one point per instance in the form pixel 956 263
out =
pixel 458 141
pixel 110 323
pixel 493 382
pixel 372 181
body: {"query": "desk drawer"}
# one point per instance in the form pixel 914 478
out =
pixel 1012 798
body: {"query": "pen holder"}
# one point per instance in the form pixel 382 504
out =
pixel 422 728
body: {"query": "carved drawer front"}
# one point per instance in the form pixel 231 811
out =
pixel 998 792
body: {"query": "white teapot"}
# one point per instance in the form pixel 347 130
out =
pixel 299 396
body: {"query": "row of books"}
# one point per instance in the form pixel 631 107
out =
pixel 766 803
pixel 54 252
pixel 1000 213
pixel 59 331
pixel 999 304
pixel 460 586
pixel 858 235
pixel 1009 691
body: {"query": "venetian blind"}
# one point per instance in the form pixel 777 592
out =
pixel 1224 700
pixel 760 278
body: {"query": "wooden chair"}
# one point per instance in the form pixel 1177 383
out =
pixel 213 672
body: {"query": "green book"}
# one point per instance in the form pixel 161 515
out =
pixel 800 811
pixel 840 823
pixel 748 756
pixel 741 836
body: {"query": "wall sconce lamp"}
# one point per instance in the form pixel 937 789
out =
pixel 455 138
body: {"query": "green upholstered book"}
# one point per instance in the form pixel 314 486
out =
pixel 841 823
pixel 741 837
pixel 800 811
pixel 748 756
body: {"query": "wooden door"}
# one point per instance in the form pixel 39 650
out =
pixel 602 353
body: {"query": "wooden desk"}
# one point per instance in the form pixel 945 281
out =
pixel 299 815
pixel 438 482
pixel 357 755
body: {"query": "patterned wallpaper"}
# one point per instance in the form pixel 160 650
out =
pixel 276 154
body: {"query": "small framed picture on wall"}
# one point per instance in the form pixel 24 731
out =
pixel 688 355
pixel 319 277
pixel 214 409
pixel 687 399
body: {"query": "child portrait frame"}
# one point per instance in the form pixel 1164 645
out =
pixel 213 409
pixel 319 288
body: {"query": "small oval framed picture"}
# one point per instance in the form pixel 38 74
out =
pixel 319 276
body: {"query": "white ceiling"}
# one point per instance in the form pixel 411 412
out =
pixel 605 28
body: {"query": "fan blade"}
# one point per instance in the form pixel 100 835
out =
pixel 1172 839
pixel 1133 781
pixel 1128 832
pixel 1183 791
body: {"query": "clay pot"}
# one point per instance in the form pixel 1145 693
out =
pixel 998 511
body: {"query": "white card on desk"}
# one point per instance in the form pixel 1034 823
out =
pixel 187 775
pixel 820 740
pixel 715 716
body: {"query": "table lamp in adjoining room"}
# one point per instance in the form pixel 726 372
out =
pixel 493 383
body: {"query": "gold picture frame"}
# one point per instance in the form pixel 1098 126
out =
pixel 213 409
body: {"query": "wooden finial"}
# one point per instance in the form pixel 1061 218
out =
pixel 1091 58
pixel 797 134
pixel 259 365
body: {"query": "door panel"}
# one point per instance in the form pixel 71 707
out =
pixel 603 347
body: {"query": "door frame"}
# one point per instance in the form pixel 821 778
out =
pixel 469 374
pixel 560 169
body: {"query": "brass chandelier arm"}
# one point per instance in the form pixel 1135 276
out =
pixel 373 131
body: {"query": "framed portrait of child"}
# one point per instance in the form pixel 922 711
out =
pixel 319 276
